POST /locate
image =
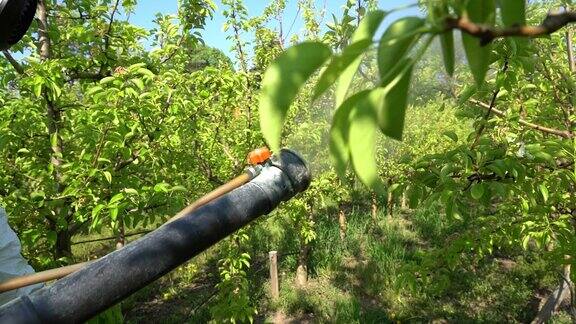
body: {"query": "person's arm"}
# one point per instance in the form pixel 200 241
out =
pixel 12 264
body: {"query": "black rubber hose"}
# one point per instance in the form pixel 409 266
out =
pixel 102 284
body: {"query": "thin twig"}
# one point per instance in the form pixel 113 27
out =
pixel 490 108
pixel 540 128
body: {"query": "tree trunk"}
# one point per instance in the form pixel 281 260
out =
pixel 374 207
pixel 570 49
pixel 390 204
pixel 302 269
pixel 342 222
pixel 121 240
pixel 63 247
pixel 54 116
pixel 556 298
pixel 404 202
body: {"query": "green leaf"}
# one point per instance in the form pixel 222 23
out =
pixel 339 149
pixel 131 191
pixel 525 242
pixel 362 140
pixel 139 83
pixel 117 197
pixel 544 192
pixel 513 12
pixel 93 90
pixel 161 187
pixel 477 190
pixel 97 210
pixel 114 213
pixel 108 176
pixel 38 89
pixel 179 188
pixel 392 111
pixel 282 82
pixel 447 42
pixel 363 36
pixel 107 80
pixel 343 68
pixel 145 72
pixel 395 44
pixel 452 135
pixel 54 140
pixel 467 93
pixel 478 56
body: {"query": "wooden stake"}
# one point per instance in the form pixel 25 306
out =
pixel 274 287
pixel 342 222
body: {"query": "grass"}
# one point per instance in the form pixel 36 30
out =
pixel 384 271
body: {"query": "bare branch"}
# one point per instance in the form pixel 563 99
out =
pixel 557 132
pixel 13 62
pixel 109 31
pixel 486 33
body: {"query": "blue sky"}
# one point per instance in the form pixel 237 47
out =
pixel 215 37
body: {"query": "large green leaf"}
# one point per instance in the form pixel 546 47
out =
pixel 513 12
pixel 339 149
pixel 349 58
pixel 395 44
pixel 483 12
pixel 477 190
pixel 352 55
pixel 282 82
pixel 392 111
pixel 447 42
pixel 362 139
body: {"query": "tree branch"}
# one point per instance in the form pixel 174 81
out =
pixel 109 30
pixel 13 62
pixel 557 132
pixel 486 33
pixel 490 107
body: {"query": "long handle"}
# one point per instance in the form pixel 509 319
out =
pixel 44 276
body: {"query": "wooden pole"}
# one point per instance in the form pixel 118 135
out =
pixel 274 287
pixel 342 222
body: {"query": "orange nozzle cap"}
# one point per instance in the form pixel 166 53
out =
pixel 259 155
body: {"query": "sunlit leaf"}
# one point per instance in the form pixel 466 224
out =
pixel 108 176
pixel 131 191
pixel 97 210
pixel 544 191
pixel 339 149
pixel 363 35
pixel 117 197
pixel 342 67
pixel 282 82
pixel 362 139
pixel 396 42
pixel 391 112
pixel 525 242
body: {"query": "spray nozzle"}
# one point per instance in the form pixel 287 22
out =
pixel 259 156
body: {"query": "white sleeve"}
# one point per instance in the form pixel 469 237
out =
pixel 12 264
